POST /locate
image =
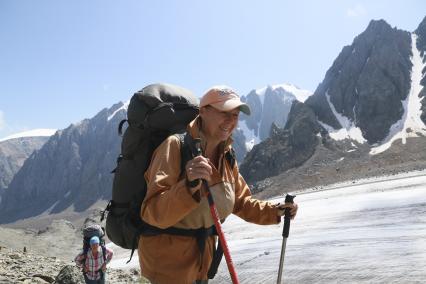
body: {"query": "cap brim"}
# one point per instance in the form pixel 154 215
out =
pixel 229 105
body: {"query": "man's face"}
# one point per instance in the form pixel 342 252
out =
pixel 217 124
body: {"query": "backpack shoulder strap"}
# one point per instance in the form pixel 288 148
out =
pixel 103 252
pixel 185 150
pixel 231 157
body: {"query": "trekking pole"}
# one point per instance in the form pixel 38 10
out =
pixel 216 218
pixel 286 229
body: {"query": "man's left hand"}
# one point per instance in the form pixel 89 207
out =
pixel 293 209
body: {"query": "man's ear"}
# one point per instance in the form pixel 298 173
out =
pixel 202 111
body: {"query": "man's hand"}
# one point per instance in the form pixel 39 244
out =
pixel 293 209
pixel 198 168
pixel 104 267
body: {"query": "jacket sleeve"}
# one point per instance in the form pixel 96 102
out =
pixel 79 260
pixel 168 199
pixel 251 209
pixel 109 253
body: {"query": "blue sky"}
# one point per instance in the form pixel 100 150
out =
pixel 63 61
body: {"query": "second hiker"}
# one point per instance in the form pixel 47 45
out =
pixel 94 262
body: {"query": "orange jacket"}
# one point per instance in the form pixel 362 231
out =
pixel 176 259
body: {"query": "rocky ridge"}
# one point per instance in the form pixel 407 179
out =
pixel 24 267
pixel 45 254
pixel 13 154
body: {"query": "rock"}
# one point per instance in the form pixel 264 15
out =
pixel 46 278
pixel 285 149
pixel 69 274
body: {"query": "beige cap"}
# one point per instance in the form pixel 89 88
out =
pixel 224 98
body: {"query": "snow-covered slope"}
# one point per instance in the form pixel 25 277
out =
pixel 374 232
pixel 410 125
pixel 301 95
pixel 31 133
pixel 348 130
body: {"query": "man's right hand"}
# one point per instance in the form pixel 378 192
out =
pixel 198 168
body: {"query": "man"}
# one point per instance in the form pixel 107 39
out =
pixel 94 262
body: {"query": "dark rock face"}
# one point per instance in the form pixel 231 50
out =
pixel 72 168
pixel 239 144
pixel 421 45
pixel 256 107
pixel 286 148
pixel 367 81
pixel 13 153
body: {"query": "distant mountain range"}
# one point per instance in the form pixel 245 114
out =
pixel 15 149
pixel 269 105
pixel 367 117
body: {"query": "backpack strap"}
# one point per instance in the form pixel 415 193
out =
pixel 217 257
pixel 230 156
pixel 185 150
pixel 120 127
pixel 104 252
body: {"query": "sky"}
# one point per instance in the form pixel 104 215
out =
pixel 64 61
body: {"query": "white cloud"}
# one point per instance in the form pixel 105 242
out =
pixel 357 11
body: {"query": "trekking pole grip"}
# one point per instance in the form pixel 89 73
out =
pixel 286 228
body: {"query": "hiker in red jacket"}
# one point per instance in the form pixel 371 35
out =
pixel 178 200
pixel 94 262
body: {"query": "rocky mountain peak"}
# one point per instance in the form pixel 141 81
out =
pixel 378 27
pixel 286 147
pixel 367 82
pixel 421 40
pixel 270 104
pixel 71 169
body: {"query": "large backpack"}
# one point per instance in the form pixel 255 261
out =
pixel 91 229
pixel 154 113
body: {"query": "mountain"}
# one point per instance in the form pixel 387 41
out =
pixel 366 118
pixel 285 148
pixel 71 170
pixel 15 149
pixel 365 91
pixel 369 105
pixel 268 105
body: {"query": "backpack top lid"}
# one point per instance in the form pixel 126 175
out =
pixel 153 95
pixel 91 229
